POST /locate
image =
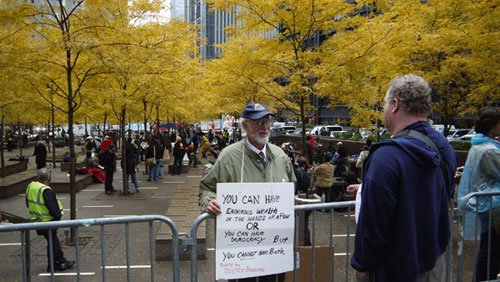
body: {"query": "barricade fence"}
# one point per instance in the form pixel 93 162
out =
pixel 323 243
pixel 478 234
pixel 102 224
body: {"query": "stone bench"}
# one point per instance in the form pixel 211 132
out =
pixel 60 183
pixel 183 210
pixel 15 184
pixel 65 165
pixel 14 167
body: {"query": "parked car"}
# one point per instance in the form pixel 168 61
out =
pixel 329 129
pixel 468 136
pixel 336 129
pixel 456 134
pixel 275 132
pixel 289 129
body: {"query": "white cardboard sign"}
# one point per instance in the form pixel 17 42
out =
pixel 254 232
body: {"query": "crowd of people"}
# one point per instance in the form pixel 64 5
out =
pixel 405 186
pixel 185 146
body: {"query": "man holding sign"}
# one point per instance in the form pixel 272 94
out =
pixel 251 160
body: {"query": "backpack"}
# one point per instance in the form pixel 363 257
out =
pixel 335 159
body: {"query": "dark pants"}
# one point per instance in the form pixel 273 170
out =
pixel 326 191
pixel 482 257
pixel 57 252
pixel 268 278
pixel 108 184
pixel 307 231
pixel 177 166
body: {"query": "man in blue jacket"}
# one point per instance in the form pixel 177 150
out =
pixel 404 229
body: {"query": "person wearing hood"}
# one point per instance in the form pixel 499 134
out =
pixel 404 229
pixel 482 174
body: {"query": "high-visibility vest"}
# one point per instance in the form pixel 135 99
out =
pixel 36 202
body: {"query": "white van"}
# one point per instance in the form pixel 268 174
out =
pixel 330 129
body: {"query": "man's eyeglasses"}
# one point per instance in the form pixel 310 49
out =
pixel 261 122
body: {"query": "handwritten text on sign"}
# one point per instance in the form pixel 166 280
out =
pixel 255 229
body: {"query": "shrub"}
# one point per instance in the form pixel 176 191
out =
pixel 344 135
pixel 460 145
pixel 357 136
pixel 373 137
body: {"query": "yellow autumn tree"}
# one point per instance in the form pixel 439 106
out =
pixel 14 108
pixel 243 74
pixel 450 43
pixel 454 45
pixel 297 26
pixel 77 43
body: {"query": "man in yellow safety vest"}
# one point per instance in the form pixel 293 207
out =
pixel 43 205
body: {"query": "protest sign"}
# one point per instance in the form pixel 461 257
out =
pixel 254 232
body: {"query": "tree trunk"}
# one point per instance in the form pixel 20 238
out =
pixel 47 137
pixel 53 137
pixel 20 138
pixel 124 151
pixel 72 155
pixel 303 119
pixel 86 131
pixel 104 124
pixel 2 159
pixel 158 119
pixel 146 135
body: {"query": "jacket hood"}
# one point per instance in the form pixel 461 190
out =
pixel 417 149
pixel 480 139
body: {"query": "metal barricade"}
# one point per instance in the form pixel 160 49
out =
pixel 471 219
pixel 24 229
pixel 329 227
pixel 325 236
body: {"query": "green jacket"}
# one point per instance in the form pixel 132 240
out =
pixel 36 202
pixel 228 167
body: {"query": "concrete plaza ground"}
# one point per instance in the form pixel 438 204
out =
pixel 92 202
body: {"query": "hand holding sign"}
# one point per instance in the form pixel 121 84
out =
pixel 213 207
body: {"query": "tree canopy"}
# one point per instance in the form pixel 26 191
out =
pixel 284 53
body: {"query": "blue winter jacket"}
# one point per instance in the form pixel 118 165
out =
pixel 403 224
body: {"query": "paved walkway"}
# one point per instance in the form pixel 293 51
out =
pixel 92 202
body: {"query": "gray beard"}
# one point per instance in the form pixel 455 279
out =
pixel 261 141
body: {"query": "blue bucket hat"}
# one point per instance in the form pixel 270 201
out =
pixel 255 111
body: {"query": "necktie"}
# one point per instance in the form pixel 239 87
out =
pixel 262 156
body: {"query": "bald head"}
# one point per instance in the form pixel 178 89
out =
pixel 43 175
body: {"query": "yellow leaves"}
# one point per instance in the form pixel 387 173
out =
pixel 449 42
pixel 112 63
